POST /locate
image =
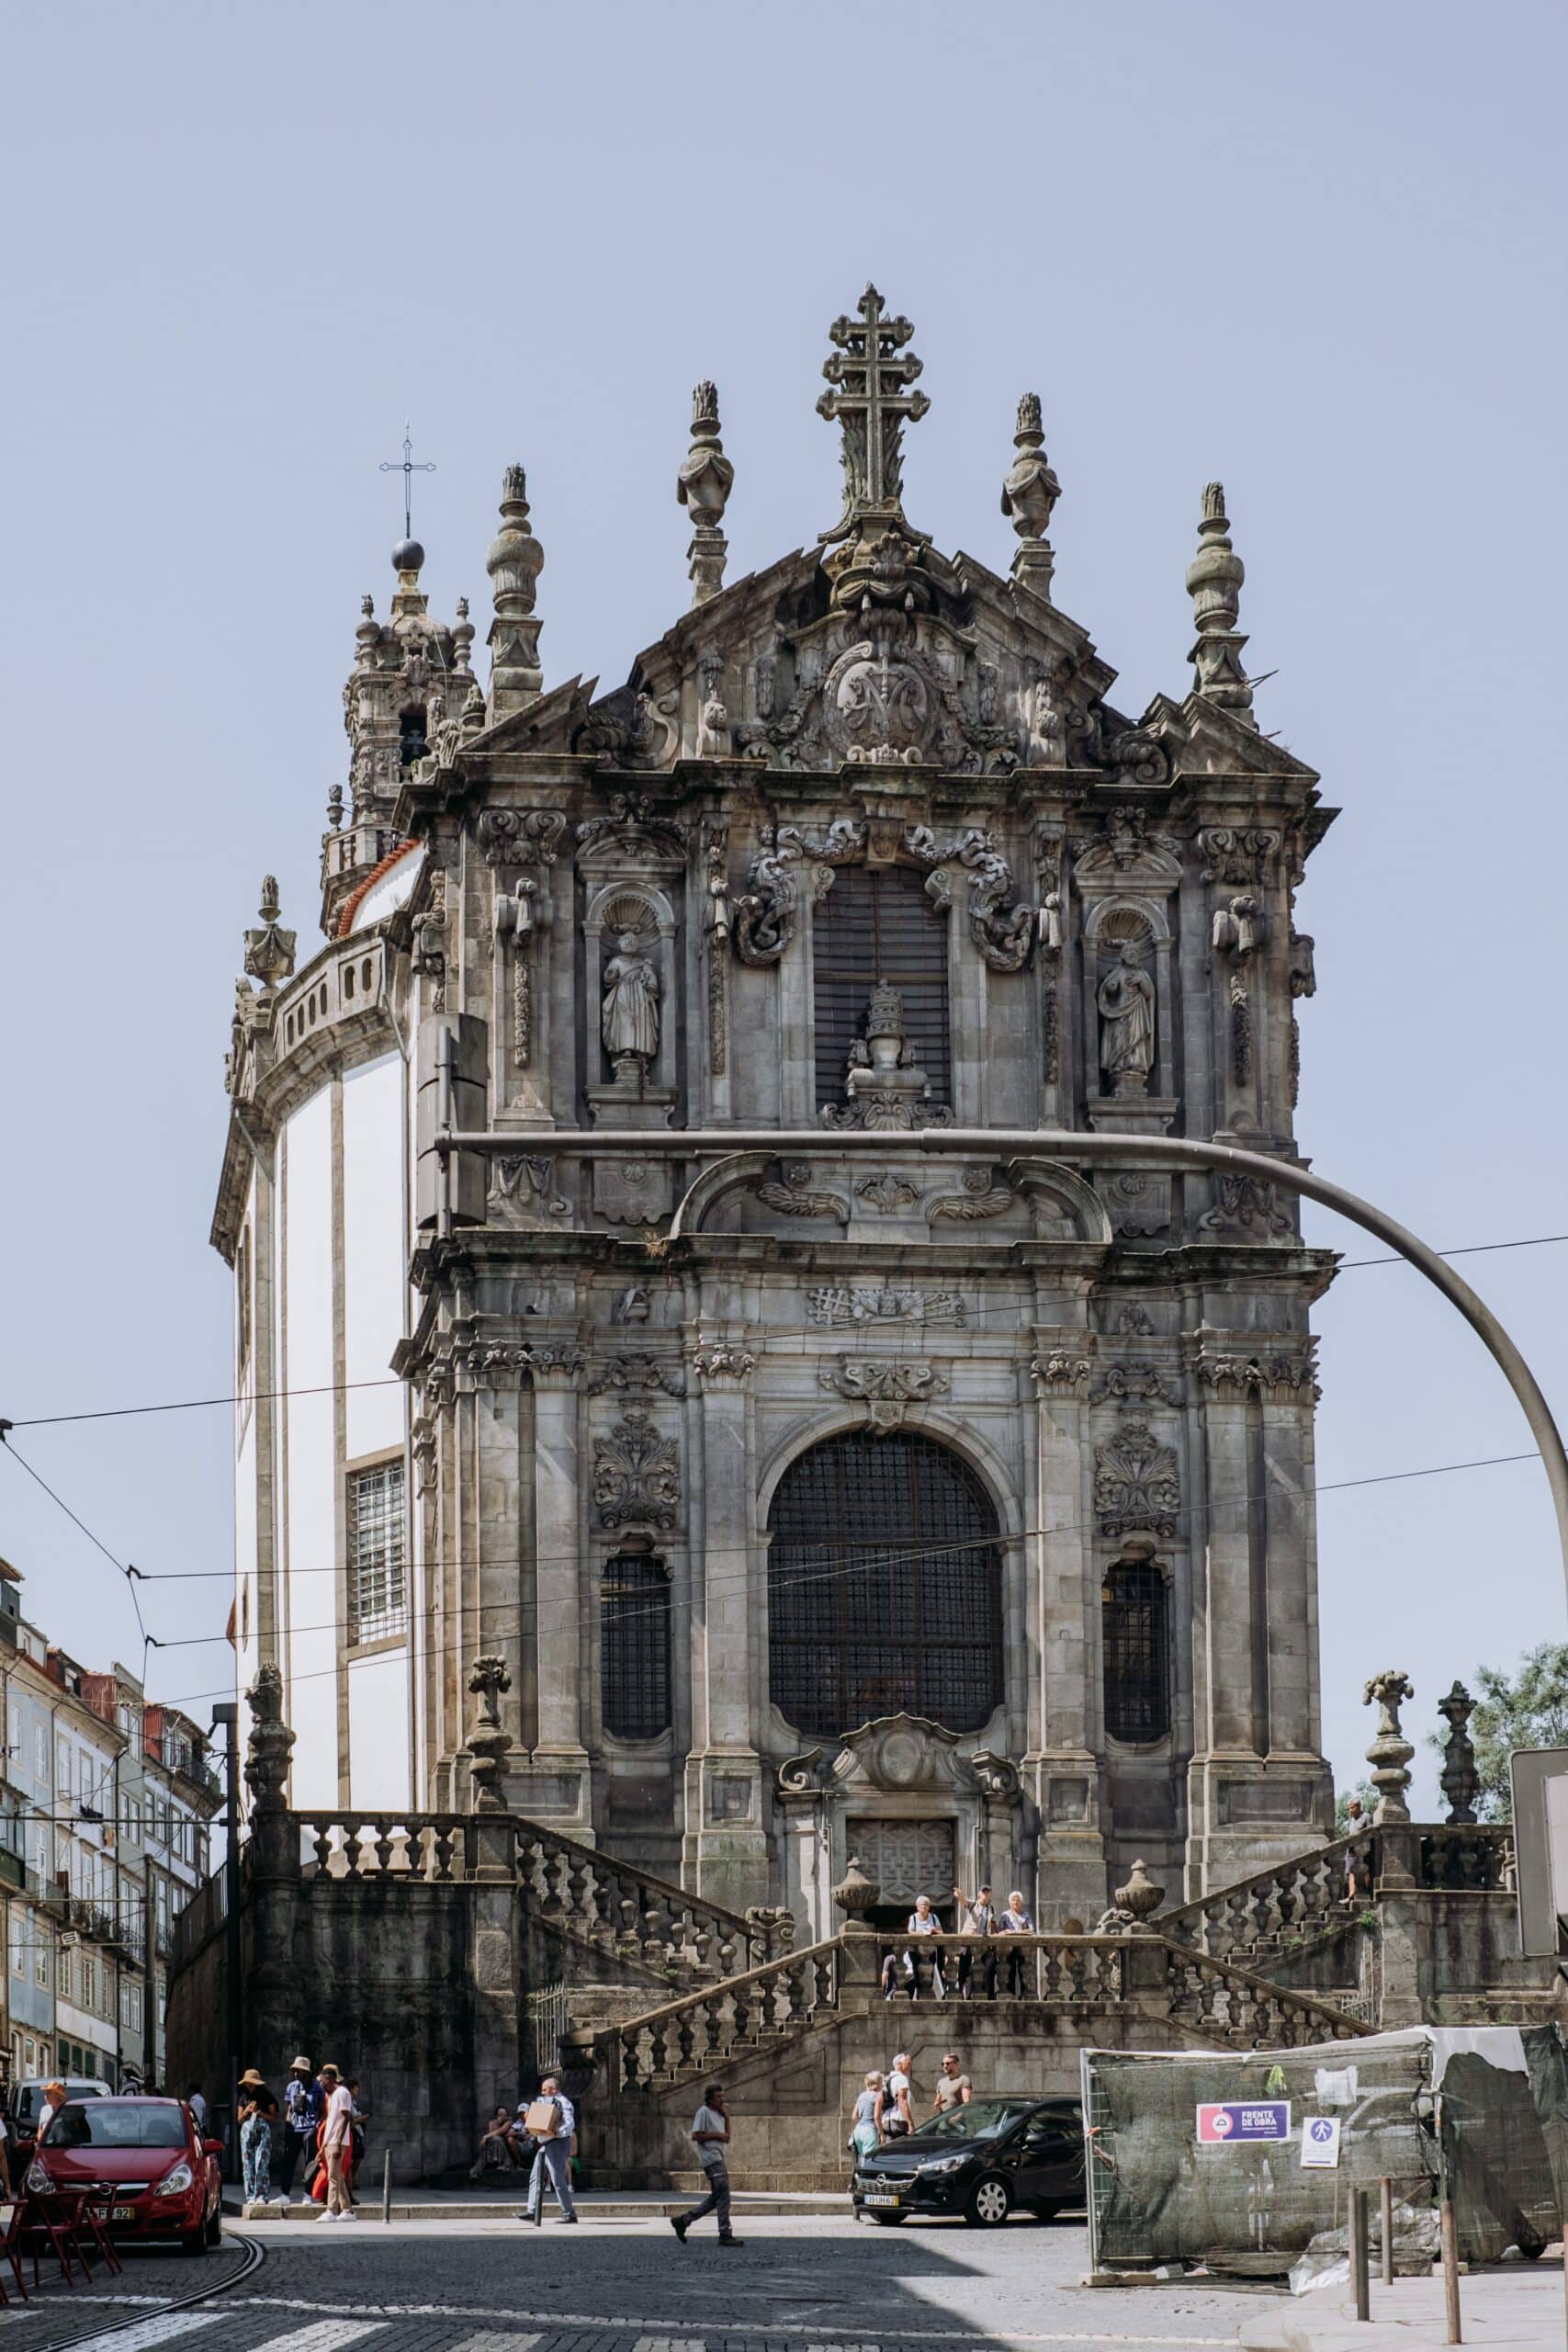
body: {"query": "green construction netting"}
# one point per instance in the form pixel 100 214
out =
pixel 1499 2097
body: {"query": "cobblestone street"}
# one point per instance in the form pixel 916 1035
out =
pixel 794 2286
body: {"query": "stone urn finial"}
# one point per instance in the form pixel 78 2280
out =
pixel 490 1741
pixel 1390 1752
pixel 855 1894
pixel 1460 1779
pixel 1139 1899
pixel 267 1748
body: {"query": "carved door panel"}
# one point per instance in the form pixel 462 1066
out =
pixel 906 1859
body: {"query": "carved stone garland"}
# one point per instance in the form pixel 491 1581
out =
pixel 636 1474
pixel 1137 1483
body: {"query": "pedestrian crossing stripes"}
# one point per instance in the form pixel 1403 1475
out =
pixel 161 2329
pixel 496 2340
pixel 327 2335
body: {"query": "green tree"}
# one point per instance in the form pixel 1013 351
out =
pixel 1528 1709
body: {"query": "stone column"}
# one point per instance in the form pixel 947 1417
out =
pixel 1286 1411
pixel 555 1785
pixel 1230 1729
pixel 726 1840
pixel 1065 1735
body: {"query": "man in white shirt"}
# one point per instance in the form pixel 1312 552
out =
pixel 552 2152
pixel 710 2136
pixel 334 2141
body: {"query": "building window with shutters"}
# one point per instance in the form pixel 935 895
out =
pixel 634 1646
pixel 1135 1639
pixel 878 923
pixel 378 1554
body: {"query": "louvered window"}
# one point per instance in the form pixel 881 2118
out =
pixel 634 1648
pixel 378 1554
pixel 884 1587
pixel 1137 1644
pixel 877 924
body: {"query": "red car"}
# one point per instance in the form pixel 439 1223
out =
pixel 148 2155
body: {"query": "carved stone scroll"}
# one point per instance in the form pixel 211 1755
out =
pixel 637 1475
pixel 1137 1483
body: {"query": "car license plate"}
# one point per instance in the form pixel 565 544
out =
pixel 123 2213
pixel 881 2200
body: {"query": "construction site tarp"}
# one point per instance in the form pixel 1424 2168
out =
pixel 1245 2162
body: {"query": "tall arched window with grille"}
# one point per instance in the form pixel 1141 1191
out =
pixel 1136 1641
pixel 634 1646
pixel 883 1586
pixel 878 923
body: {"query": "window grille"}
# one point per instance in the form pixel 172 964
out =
pixel 877 924
pixel 634 1648
pixel 1136 1646
pixel 884 1588
pixel 378 1554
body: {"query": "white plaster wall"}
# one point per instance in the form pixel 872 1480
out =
pixel 379 1773
pixel 309 1483
pixel 374 1256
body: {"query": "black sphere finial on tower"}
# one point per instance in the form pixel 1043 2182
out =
pixel 408 555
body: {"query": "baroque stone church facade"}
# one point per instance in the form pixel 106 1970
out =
pixel 953 1509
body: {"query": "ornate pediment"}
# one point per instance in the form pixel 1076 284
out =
pixel 898 1753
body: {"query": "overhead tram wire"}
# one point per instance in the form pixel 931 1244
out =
pixel 394 1380
pixel 874 1553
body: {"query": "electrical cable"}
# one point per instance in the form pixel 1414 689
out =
pixel 392 1380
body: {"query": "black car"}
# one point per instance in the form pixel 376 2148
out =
pixel 980 2161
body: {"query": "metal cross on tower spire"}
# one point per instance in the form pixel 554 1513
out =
pixel 869 372
pixel 408 469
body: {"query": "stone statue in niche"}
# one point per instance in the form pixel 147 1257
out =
pixel 1126 1002
pixel 629 1022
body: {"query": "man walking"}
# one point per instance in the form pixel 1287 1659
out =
pixel 550 2121
pixel 302 2108
pixel 710 2134
pixel 335 2144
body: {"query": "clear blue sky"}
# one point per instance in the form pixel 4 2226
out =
pixel 1316 252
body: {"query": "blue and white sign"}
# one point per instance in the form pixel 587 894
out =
pixel 1320 2141
pixel 1222 2125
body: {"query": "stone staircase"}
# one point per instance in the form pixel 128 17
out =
pixel 1253 1922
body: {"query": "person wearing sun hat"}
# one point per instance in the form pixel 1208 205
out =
pixel 304 2104
pixel 258 2113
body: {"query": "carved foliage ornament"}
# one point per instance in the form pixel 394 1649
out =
pixel 632 821
pixel 1137 1483
pixel 1236 853
pixel 1245 1204
pixel 641 1370
pixel 521 836
pixel 636 1474
pixel 886 1194
pixel 979 1198
pixel 1127 1384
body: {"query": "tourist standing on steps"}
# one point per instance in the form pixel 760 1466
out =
pixel 335 2147
pixel 976 1919
pixel 550 2122
pixel 303 2107
pixel 1015 1921
pixel 710 2135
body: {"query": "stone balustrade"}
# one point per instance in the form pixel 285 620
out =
pixel 1217 1998
pixel 626 1913
pixel 686 2039
pixel 1064 1972
pixel 1474 1858
pixel 1301 1898
pixel 437 1847
pixel 617 1911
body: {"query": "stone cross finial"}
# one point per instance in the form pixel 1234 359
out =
pixel 489 1741
pixel 1460 1779
pixel 514 561
pixel 870 374
pixel 1029 494
pixel 1390 1752
pixel 269 948
pixel 1213 583
pixel 703 484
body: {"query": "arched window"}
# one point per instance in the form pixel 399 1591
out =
pixel 1136 1646
pixel 634 1646
pixel 412 740
pixel 877 924
pixel 884 1587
